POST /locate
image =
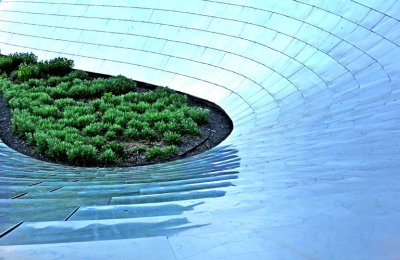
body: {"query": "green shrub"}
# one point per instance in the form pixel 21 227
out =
pixel 14 75
pixel 171 150
pixel 104 106
pixel 154 152
pixel 35 83
pixel 84 120
pixel 159 105
pixel 110 135
pixel 26 72
pixel 47 123
pixel 63 102
pixel 133 115
pixel 76 74
pixel 53 126
pixel 54 81
pixel 80 89
pixel 41 98
pixel 174 116
pixel 148 133
pixel 69 78
pixel 58 149
pixel 19 103
pixel 115 100
pixel 188 126
pixel 131 134
pixel 56 67
pixel 108 157
pixel 30 139
pixel 5 84
pixel 23 122
pixel 174 126
pixel 99 87
pixel 110 115
pixel 122 119
pixel 75 137
pixel 96 128
pixel 131 97
pixel 120 84
pixel 171 138
pixel 118 129
pixel 199 115
pixel 12 90
pixel 152 117
pixel 6 64
pixel 10 63
pixel 81 154
pixel 162 153
pixel 160 127
pixel 137 124
pixel 26 58
pixel 61 132
pixel 124 107
pixel 117 147
pixel 95 104
pixel 78 109
pixel 141 107
pixel 46 111
pixel 41 140
pixel 148 97
pixel 98 141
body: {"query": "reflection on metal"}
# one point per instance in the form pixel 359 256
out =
pixel 309 171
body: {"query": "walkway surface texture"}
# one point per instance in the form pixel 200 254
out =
pixel 311 169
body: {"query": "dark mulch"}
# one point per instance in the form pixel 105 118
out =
pixel 218 128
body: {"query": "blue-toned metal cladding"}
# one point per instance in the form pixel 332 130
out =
pixel 311 169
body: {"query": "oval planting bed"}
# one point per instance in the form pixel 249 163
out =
pixel 54 113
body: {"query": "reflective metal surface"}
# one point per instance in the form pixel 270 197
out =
pixel 309 171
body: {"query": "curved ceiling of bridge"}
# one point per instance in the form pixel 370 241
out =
pixel 310 169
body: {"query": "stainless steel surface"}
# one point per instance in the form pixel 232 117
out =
pixel 309 171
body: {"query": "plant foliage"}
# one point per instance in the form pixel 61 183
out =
pixel 72 118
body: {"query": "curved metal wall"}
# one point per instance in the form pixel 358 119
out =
pixel 310 169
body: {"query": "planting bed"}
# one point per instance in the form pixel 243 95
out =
pixel 51 112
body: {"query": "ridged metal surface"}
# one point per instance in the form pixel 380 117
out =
pixel 309 171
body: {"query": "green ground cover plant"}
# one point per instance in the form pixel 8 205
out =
pixel 69 117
